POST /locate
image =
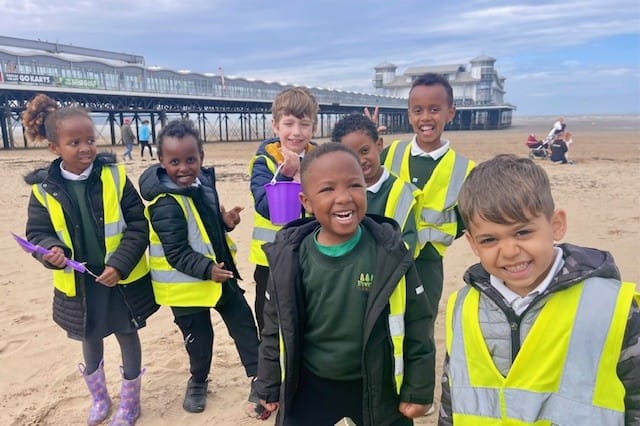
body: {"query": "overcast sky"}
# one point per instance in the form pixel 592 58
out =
pixel 558 57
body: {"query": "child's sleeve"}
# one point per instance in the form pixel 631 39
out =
pixel 40 230
pixel 419 359
pixel 135 238
pixel 268 381
pixel 260 176
pixel 629 366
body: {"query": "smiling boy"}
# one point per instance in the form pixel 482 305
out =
pixel 345 315
pixel 542 333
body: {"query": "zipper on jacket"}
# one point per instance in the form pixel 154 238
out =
pixel 514 324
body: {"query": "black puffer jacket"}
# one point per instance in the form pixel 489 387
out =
pixel 169 222
pixel 284 310
pixel 69 312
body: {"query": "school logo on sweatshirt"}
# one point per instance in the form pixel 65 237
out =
pixel 365 280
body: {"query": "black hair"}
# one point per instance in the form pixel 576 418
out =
pixel 432 79
pixel 321 150
pixel 354 122
pixel 179 128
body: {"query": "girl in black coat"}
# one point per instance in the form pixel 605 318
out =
pixel 84 207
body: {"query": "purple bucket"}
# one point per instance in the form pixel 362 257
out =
pixel 283 200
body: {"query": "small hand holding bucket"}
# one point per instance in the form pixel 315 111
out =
pixel 282 198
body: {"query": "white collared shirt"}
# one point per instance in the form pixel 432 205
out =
pixel 383 178
pixel 416 151
pixel 520 303
pixel 72 176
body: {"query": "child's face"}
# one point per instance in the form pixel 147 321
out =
pixel 294 133
pixel 76 143
pixel 334 191
pixel 519 254
pixel 368 151
pixel 182 159
pixel 429 112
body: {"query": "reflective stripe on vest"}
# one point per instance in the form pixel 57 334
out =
pixel 400 202
pixel 558 377
pixel 263 230
pixel 170 286
pixel 113 179
pixel 436 222
pixel 397 308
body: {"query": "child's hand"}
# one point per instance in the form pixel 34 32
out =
pixel 56 257
pixel 269 406
pixel 109 277
pixel 219 274
pixel 291 163
pixel 411 410
pixel 232 217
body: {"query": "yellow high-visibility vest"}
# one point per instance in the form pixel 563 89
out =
pixel 263 230
pixel 436 219
pixel 565 372
pixel 400 203
pixel 113 178
pixel 170 286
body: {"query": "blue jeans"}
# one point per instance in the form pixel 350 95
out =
pixel 129 147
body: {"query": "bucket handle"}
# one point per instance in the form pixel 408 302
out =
pixel 273 180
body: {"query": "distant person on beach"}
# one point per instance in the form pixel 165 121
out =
pixel 542 333
pixel 558 127
pixel 128 138
pixel 428 162
pixel 83 206
pixel 192 257
pixel 560 148
pixel 387 195
pixel 295 118
pixel 346 315
pixel 145 134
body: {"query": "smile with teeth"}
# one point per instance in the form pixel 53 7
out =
pixel 426 128
pixel 519 267
pixel 344 215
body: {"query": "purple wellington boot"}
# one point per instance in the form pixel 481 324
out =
pixel 129 409
pixel 97 385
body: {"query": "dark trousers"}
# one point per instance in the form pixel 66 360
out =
pixel 431 274
pixel 322 402
pixel 143 145
pixel 261 276
pixel 197 332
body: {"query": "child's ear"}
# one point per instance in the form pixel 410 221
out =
pixel 304 200
pixel 472 242
pixel 559 224
pixel 53 148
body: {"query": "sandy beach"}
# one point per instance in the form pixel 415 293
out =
pixel 39 381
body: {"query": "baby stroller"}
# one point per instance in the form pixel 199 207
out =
pixel 538 148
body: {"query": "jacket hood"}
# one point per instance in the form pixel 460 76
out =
pixel 580 263
pixel 271 148
pixel 40 174
pixel 155 181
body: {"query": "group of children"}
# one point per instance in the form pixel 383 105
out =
pixel 347 295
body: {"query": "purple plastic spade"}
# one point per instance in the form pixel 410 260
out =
pixel 31 248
